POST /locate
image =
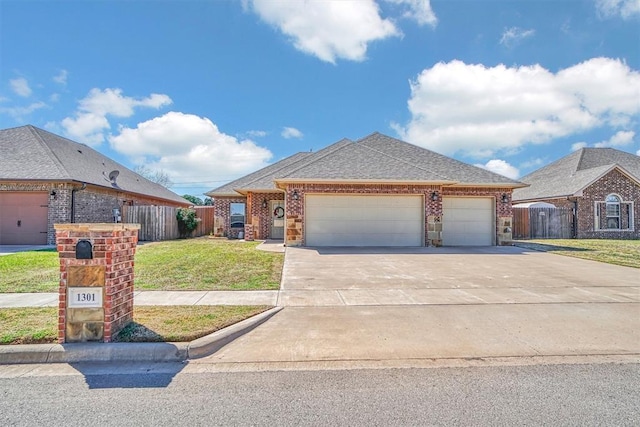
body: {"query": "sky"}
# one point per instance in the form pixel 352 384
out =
pixel 207 91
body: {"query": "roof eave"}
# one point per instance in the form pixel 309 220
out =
pixel 284 181
pixel 491 184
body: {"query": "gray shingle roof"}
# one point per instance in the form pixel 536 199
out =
pixel 30 153
pixel 376 157
pixel 570 174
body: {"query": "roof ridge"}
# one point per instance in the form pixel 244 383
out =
pixel 580 158
pixel 315 157
pixel 52 155
pixel 402 160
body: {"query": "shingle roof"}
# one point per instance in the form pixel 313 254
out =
pixel 264 179
pixel 30 153
pixel 570 174
pixel 376 157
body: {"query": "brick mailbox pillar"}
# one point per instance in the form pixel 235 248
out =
pixel 96 280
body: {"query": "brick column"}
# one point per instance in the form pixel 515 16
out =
pixel 109 266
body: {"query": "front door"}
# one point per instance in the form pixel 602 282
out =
pixel 277 219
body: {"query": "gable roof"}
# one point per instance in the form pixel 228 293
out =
pixel 569 175
pixel 375 158
pixel 30 153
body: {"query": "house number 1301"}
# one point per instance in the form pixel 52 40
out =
pixel 87 297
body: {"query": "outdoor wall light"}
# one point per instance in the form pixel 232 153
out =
pixel 505 198
pixel 434 196
pixel 53 194
pixel 264 203
pixel 295 195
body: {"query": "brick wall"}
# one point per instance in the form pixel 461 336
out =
pixel 222 220
pixel 92 205
pixel 114 247
pixel 263 215
pixel 613 183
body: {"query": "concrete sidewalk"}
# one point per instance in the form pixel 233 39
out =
pixel 154 298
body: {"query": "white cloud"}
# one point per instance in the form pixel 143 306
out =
pixel 257 133
pixel 623 8
pixel 418 10
pixel 578 145
pixel 90 120
pixel 327 29
pixel 514 35
pixel 638 153
pixel 18 113
pixel 620 139
pixel 501 167
pixel 20 87
pixel 478 110
pixel 61 78
pixel 288 133
pixel 189 148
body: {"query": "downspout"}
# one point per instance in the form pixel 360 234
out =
pixel 73 201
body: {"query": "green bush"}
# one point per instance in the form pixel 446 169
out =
pixel 187 221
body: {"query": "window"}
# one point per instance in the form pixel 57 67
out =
pixel 613 212
pixel 237 215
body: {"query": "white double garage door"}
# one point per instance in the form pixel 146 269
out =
pixel 394 220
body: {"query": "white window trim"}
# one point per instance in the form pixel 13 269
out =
pixel 597 213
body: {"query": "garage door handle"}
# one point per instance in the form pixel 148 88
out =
pixel 19 223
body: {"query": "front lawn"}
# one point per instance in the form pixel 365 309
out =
pixel 166 323
pixel 190 264
pixel 619 252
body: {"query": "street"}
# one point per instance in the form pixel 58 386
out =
pixel 185 394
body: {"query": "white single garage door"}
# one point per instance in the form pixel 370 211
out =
pixel 468 221
pixel 363 220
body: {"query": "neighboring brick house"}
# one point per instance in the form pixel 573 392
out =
pixel 377 191
pixel 47 179
pixel 601 185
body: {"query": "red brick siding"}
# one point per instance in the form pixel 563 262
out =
pixel 222 207
pixel 113 249
pixel 92 205
pixel 613 183
pixel 264 213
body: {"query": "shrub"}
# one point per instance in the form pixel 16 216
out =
pixel 187 221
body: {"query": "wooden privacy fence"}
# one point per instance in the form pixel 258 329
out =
pixel 542 223
pixel 160 223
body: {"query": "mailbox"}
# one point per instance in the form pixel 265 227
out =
pixel 84 250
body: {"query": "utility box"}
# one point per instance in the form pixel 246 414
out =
pixel 96 280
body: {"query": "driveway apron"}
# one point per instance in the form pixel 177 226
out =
pixel 375 305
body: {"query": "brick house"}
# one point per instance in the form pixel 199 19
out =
pixel 47 179
pixel 601 185
pixel 377 191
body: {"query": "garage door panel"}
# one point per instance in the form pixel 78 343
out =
pixel 23 218
pixel 468 221
pixel 363 220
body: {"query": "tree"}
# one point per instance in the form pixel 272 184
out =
pixel 159 177
pixel 193 199
pixel 208 201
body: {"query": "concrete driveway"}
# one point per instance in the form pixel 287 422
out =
pixel 410 307
pixel 493 275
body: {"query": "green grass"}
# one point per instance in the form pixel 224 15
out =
pixel 619 252
pixel 189 264
pixel 33 271
pixel 166 323
pixel 206 264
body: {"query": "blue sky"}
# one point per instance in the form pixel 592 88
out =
pixel 208 91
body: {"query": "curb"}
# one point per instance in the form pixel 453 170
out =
pixel 130 352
